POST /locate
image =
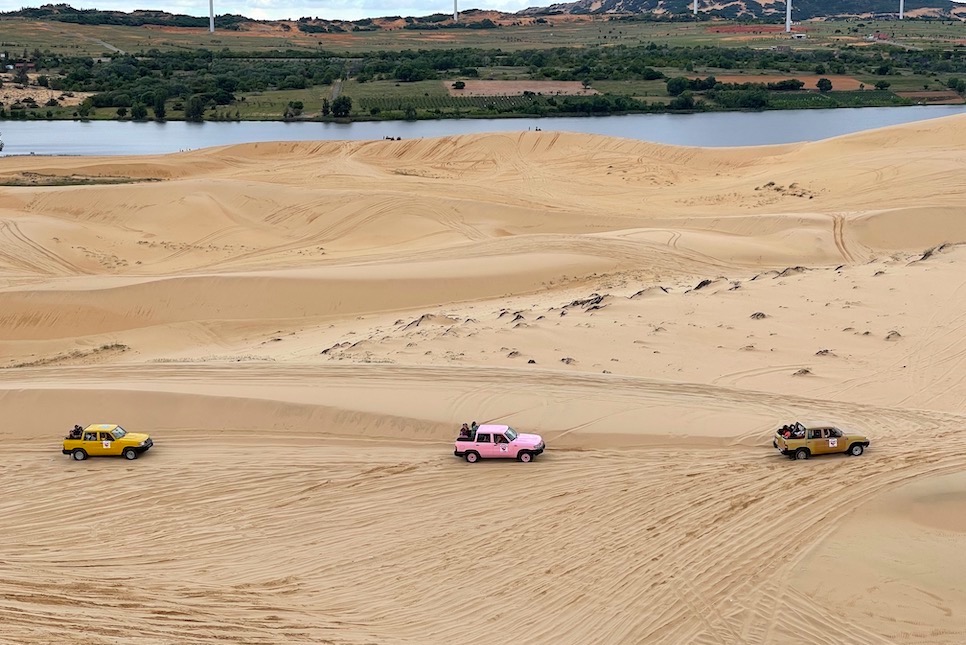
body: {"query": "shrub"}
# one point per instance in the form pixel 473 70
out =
pixel 342 106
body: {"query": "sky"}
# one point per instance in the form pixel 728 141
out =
pixel 276 9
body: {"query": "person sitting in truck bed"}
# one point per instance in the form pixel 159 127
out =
pixel 465 432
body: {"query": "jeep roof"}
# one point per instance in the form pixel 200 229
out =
pixel 492 427
pixel 102 427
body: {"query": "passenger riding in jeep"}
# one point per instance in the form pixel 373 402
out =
pixel 469 431
pixel 793 431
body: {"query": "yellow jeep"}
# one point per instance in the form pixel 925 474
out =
pixel 105 440
pixel 798 441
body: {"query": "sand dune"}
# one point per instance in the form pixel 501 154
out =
pixel 302 326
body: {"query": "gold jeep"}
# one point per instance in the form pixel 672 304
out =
pixel 799 441
pixel 104 440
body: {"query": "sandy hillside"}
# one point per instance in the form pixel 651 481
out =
pixel 302 327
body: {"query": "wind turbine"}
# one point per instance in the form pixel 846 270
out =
pixel 456 11
pixel 211 16
pixel 788 16
pixel 695 7
pixel 902 8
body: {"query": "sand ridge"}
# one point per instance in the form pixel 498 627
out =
pixel 301 326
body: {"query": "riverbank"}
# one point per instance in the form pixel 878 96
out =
pixel 710 129
pixel 494 107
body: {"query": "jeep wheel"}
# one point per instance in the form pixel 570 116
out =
pixel 856 449
pixel 79 454
pixel 525 456
pixel 472 457
pixel 801 453
pixel 130 454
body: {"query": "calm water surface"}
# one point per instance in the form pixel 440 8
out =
pixel 708 129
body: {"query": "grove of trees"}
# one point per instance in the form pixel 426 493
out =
pixel 152 81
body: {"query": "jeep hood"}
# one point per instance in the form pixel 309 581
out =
pixel 134 437
pixel 529 439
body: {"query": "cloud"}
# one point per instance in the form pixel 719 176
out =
pixel 275 9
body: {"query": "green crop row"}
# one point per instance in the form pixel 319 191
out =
pixel 856 98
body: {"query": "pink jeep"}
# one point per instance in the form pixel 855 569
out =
pixel 495 441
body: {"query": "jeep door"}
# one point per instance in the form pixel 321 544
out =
pixel 108 444
pixel 91 444
pixel 502 447
pixel 816 441
pixel 835 441
pixel 484 445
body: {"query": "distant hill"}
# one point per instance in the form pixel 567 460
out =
pixel 137 18
pixel 773 10
pixel 802 9
pixel 469 19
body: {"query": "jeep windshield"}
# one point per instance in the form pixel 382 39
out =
pixel 118 432
pixel 511 434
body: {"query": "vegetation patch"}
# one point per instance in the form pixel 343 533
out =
pixel 41 179
pixel 810 81
pixel 76 356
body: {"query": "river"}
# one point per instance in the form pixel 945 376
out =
pixel 715 129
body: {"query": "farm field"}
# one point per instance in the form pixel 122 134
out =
pixel 393 89
pixel 933 98
pixel 643 89
pixel 97 40
pixel 271 105
pixel 518 88
pixel 101 40
pixel 500 68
